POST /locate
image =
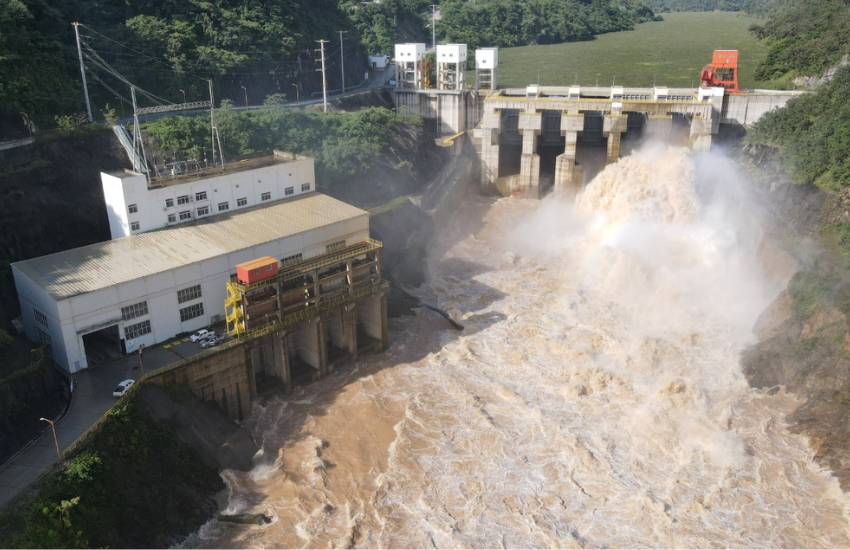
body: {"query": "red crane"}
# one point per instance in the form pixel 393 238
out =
pixel 722 71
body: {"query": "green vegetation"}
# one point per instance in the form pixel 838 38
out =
pixel 343 145
pixel 669 53
pixel 249 48
pixel 805 38
pixel 696 5
pixel 114 493
pixel 812 135
pixel 513 23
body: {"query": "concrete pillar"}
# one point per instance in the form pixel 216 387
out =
pixel 489 136
pixel 613 127
pixel 349 324
pixel 567 171
pixel 311 345
pixel 613 148
pixel 282 360
pixel 530 125
pixel 701 134
pixel 565 167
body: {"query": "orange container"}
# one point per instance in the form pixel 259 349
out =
pixel 256 270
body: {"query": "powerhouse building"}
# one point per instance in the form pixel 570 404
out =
pixel 135 206
pixel 147 288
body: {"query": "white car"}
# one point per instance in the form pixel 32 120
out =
pixel 201 334
pixel 122 387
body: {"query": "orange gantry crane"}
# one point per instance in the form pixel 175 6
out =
pixel 722 71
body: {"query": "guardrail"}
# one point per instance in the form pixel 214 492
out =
pixel 289 320
pixel 297 270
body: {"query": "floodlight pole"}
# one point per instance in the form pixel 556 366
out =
pixel 434 25
pixel 82 69
pixel 55 439
pixel 324 78
pixel 342 59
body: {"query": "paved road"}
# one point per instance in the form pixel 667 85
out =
pixel 91 399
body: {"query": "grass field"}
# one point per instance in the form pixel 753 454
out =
pixel 668 53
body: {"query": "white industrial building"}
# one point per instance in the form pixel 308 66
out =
pixel 149 287
pixel 408 65
pixel 451 67
pixel 134 206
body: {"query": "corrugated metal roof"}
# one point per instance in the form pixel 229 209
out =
pixel 89 268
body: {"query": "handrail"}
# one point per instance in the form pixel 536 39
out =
pixel 286 321
pixel 297 270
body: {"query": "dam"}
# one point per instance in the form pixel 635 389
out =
pixel 541 138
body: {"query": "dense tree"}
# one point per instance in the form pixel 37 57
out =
pixel 812 135
pixel 515 23
pixel 805 37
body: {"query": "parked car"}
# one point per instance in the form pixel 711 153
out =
pixel 212 341
pixel 201 334
pixel 122 387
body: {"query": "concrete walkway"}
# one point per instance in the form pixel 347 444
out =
pixel 91 398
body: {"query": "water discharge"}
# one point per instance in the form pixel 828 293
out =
pixel 594 399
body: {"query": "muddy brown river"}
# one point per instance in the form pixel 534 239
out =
pixel 594 399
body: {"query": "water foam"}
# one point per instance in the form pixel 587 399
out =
pixel 594 399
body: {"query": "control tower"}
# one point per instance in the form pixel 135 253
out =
pixel 486 62
pixel 408 65
pixel 451 67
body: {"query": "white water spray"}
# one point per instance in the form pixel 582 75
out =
pixel 595 397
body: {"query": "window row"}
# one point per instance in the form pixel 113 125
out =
pixel 187 294
pixel 195 310
pixel 202 196
pixel 135 310
pixel 139 329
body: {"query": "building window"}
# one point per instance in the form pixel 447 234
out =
pixel 195 310
pixel 305 187
pixel 169 203
pixel 133 311
pixel 241 202
pixel 289 191
pixel 185 215
pixel 203 211
pixel 269 267
pixel 133 208
pixel 40 317
pixel 333 247
pixel 172 218
pixel 134 331
pixel 202 196
pixel 134 226
pixel 191 293
pixel 266 196
pixel 222 206
pixel 292 260
pixel 183 200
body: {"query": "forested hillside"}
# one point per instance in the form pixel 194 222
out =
pixel 249 48
pixel 501 23
pixel 812 134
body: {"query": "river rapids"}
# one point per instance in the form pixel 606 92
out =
pixel 594 398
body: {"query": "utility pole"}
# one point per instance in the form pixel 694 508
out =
pixel 324 79
pixel 342 59
pixel 82 69
pixel 434 26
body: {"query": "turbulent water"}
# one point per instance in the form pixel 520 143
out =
pixel 594 398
